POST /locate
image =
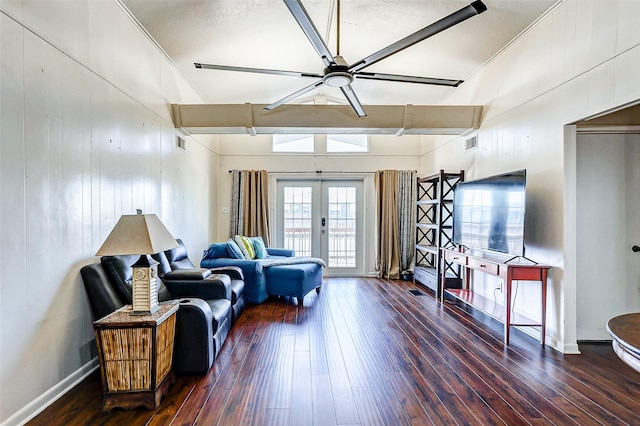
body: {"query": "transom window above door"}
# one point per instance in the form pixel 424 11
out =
pixel 347 143
pixel 293 143
pixel 332 143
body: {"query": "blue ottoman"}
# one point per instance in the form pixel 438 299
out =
pixel 293 280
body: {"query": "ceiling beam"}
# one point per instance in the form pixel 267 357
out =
pixel 291 118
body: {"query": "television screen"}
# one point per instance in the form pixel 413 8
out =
pixel 488 214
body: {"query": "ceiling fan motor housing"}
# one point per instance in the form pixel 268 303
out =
pixel 337 74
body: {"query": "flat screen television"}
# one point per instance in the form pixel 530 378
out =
pixel 488 214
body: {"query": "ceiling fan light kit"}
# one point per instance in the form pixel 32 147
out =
pixel 337 79
pixel 338 73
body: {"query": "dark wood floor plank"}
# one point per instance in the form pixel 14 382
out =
pixel 466 403
pixel 204 394
pixel 340 382
pixel 236 403
pixel 323 411
pixel 398 389
pixel 317 349
pixel 276 417
pixel 375 354
pixel 620 379
pixel 291 316
pixel 584 408
pixel 269 344
pixel 257 397
pixel 302 332
pixel 210 413
pixel 503 402
pixel 368 411
pixel 432 376
pixel 172 403
pixel 423 388
pixel 301 411
pixel 539 377
pixel 465 359
pixel 279 395
pixel 78 407
pixel 208 399
pixel 366 352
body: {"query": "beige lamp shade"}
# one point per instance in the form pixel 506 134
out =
pixel 137 234
pixel 141 234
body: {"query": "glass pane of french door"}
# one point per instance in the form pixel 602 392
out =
pixel 322 219
pixel 341 227
pixel 297 219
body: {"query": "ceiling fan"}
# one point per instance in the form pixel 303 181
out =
pixel 338 73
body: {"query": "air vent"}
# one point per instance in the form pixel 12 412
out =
pixel 181 143
pixel 416 292
pixel 471 143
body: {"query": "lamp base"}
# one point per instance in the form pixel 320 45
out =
pixel 142 313
pixel 144 292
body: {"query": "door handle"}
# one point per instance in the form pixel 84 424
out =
pixel 635 249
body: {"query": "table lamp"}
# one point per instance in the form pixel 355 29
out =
pixel 141 234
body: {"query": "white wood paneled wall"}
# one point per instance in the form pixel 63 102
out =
pixel 580 59
pixel 85 136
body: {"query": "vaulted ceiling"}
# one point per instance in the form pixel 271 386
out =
pixel 264 34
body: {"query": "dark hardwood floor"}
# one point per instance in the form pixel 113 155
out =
pixel 367 351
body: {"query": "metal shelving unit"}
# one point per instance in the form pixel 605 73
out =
pixel 434 217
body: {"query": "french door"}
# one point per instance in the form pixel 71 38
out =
pixel 322 218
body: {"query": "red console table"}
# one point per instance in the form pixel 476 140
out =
pixel 514 269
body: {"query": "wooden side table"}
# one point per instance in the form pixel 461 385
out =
pixel 625 331
pixel 136 353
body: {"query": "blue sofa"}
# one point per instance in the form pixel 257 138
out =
pixel 285 280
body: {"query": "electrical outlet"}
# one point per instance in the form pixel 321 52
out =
pixel 225 210
pixel 499 287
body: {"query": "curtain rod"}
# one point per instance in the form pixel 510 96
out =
pixel 314 172
pixel 318 172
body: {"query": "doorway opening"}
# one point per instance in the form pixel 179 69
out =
pixel 606 211
pixel 323 218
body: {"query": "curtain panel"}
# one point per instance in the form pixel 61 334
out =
pixel 395 221
pixel 236 212
pixel 250 204
pixel 388 250
pixel 256 204
pixel 407 181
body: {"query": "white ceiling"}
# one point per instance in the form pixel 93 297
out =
pixel 264 34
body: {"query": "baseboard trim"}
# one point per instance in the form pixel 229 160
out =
pixel 39 404
pixel 570 349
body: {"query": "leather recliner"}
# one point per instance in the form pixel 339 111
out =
pixel 203 320
pixel 177 259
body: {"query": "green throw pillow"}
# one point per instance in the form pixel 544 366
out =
pixel 246 245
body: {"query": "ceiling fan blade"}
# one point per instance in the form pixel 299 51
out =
pixel 295 95
pixel 257 70
pixel 302 17
pixel 475 8
pixel 408 79
pixel 353 100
